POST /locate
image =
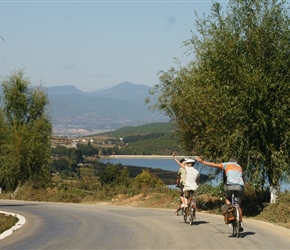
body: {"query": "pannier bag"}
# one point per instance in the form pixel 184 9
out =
pixel 228 212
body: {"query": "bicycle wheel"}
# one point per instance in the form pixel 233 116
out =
pixel 237 222
pixel 184 214
pixel 192 216
pixel 192 212
pixel 234 228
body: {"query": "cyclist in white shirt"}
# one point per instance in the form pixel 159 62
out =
pixel 192 177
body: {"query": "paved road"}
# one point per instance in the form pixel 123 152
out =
pixel 80 226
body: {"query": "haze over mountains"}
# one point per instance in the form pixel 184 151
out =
pixel 75 112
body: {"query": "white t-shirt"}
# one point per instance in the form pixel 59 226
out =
pixel 191 176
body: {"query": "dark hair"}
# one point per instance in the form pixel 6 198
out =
pixel 182 160
pixel 234 159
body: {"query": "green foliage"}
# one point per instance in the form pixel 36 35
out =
pixel 7 222
pixel 278 212
pixel 88 150
pixel 147 179
pixel 109 175
pixel 25 146
pixel 148 139
pixel 162 127
pixel 134 138
pixel 147 145
pixel 252 203
pixel 217 191
pixel 232 99
pixel 77 156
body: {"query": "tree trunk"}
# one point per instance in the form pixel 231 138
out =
pixel 274 190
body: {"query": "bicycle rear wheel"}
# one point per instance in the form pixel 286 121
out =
pixel 192 212
pixel 192 216
pixel 184 214
pixel 237 222
pixel 234 228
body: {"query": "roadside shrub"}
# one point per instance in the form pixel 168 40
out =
pixel 278 212
pixel 213 197
pixel 7 221
pixel 147 180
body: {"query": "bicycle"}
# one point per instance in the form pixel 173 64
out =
pixel 190 210
pixel 235 223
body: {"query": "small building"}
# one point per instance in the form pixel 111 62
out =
pixel 74 143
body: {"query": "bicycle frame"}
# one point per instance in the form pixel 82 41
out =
pixel 190 210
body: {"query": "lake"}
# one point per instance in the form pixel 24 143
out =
pixel 167 163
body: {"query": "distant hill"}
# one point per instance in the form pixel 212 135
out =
pixel 161 127
pixel 148 139
pixel 74 112
pixel 125 91
pixel 63 90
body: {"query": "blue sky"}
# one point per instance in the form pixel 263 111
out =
pixel 95 44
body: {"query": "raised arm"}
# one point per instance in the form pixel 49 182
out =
pixel 210 164
pixel 177 161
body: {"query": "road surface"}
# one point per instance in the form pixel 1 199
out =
pixel 101 226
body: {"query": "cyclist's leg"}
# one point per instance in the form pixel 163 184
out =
pixel 228 192
pixel 194 195
pixel 178 207
pixel 182 197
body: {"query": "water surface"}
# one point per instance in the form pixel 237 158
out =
pixel 167 163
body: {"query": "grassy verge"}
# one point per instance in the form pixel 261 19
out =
pixel 160 197
pixel 7 221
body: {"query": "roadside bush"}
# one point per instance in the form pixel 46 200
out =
pixel 278 212
pixel 213 197
pixel 7 221
pixel 253 200
pixel 147 180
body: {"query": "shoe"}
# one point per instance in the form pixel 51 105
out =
pixel 177 212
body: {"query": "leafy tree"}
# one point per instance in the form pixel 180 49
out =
pixel 63 151
pixel 109 175
pixel 60 165
pixel 88 150
pixel 233 97
pixel 147 179
pixel 77 156
pixel 124 178
pixel 25 131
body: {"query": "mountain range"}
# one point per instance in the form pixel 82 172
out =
pixel 74 112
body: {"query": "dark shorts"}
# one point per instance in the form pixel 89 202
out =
pixel 190 193
pixel 181 190
pixel 237 188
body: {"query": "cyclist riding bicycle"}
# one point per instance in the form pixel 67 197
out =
pixel 192 178
pixel 234 180
pixel 181 177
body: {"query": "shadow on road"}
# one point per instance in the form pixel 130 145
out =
pixel 196 222
pixel 18 205
pixel 243 235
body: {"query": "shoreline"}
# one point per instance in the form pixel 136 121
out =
pixel 142 156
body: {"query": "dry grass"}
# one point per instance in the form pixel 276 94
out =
pixel 278 213
pixel 7 221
